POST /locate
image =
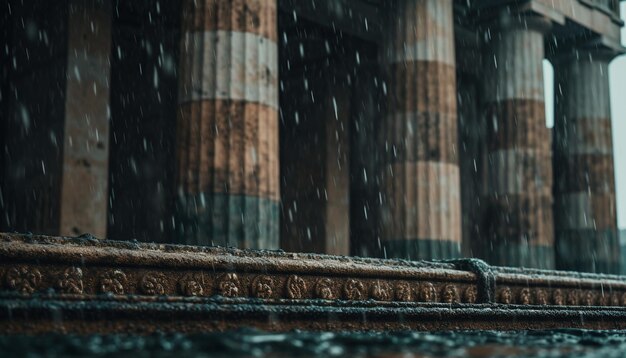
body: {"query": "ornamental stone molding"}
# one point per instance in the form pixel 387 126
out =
pixel 248 287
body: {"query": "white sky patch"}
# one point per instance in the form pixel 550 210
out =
pixel 548 80
pixel 617 78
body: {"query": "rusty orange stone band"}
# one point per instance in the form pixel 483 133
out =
pixel 228 147
pixel 517 124
pixel 252 16
pixel 429 94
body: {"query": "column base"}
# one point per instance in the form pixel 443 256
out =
pixel 228 220
pixel 588 251
pixel 521 254
pixel 421 249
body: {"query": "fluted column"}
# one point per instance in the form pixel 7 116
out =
pixel 421 215
pixel 85 178
pixel 56 130
pixel 585 212
pixel 471 162
pixel 365 188
pixel 227 136
pixel 516 215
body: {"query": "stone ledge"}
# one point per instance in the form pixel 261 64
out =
pixel 133 315
pixel 122 284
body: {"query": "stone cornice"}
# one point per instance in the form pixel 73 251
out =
pixel 598 48
pixel 118 280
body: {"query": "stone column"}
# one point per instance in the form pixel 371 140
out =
pixel 84 191
pixel 315 161
pixel 516 215
pixel 421 215
pixel 585 212
pixel 471 136
pixel 471 162
pixel 227 135
pixel 365 190
pixel 56 130
pixel 144 104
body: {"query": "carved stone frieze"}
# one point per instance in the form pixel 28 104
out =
pixel 324 289
pixel 229 285
pixel 44 264
pixel 470 294
pixel 24 279
pixel 296 287
pixel 427 292
pixel 71 281
pixel 382 291
pixel 113 281
pixel 193 284
pixel 263 287
pixel 354 290
pixel 404 293
pixel 450 294
pixel 153 284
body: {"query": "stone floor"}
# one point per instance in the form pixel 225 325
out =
pixel 249 343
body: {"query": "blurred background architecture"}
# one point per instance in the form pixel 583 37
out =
pixel 404 128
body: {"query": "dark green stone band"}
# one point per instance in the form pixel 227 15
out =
pixel 421 249
pixel 519 254
pixel 588 250
pixel 228 220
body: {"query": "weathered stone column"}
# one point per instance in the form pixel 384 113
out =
pixel 471 137
pixel 585 212
pixel 315 163
pixel 56 131
pixel 421 215
pixel 471 162
pixel 144 105
pixel 84 191
pixel 365 188
pixel 227 137
pixel 516 216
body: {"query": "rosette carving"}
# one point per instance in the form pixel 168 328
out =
pixel 449 294
pixel 296 287
pixel 524 296
pixel 557 297
pixel 604 300
pixel 23 279
pixel 404 292
pixel 427 292
pixel 71 281
pixel 382 291
pixel 192 285
pixel 153 284
pixel 470 295
pixel 541 297
pixel 229 285
pixel 113 282
pixel 573 298
pixel 505 295
pixel 324 289
pixel 263 287
pixel 615 299
pixel 589 298
pixel 354 290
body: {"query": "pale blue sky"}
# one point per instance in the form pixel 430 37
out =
pixel 617 78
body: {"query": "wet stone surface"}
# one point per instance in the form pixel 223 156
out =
pixel 249 343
